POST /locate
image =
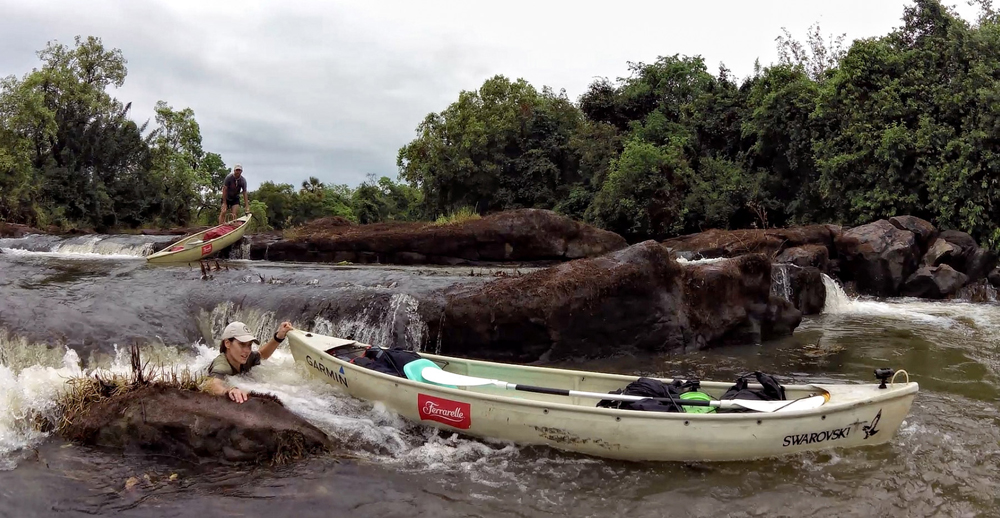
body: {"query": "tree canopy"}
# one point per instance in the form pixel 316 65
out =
pixel 905 123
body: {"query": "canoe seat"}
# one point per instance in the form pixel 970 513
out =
pixel 412 371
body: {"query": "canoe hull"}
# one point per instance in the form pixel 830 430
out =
pixel 872 418
pixel 200 250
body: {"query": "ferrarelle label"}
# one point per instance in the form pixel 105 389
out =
pixel 445 411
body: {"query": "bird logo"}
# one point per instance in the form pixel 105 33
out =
pixel 870 429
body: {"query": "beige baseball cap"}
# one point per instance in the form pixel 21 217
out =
pixel 238 167
pixel 239 331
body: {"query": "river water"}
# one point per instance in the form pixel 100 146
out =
pixel 70 306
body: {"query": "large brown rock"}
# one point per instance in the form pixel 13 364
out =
pixel 965 247
pixel 817 256
pixel 715 243
pixel 923 229
pixel 994 277
pixel 878 257
pixel 933 282
pixel 979 266
pixel 8 230
pixel 961 252
pixel 731 302
pixel 801 285
pixel 636 299
pixel 513 236
pixel 196 426
pixel 941 251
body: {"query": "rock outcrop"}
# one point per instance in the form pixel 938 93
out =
pixel 515 236
pixel 13 230
pixel 801 285
pixel 732 243
pixel 878 257
pixel 933 282
pixel 816 256
pixel 902 255
pixel 638 298
pixel 195 426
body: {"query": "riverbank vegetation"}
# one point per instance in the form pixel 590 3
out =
pixel 904 123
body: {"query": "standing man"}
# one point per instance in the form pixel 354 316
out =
pixel 231 188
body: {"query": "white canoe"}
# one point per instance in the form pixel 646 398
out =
pixel 853 415
pixel 195 247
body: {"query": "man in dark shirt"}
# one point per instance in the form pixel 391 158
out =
pixel 236 357
pixel 233 185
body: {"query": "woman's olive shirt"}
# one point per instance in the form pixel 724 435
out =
pixel 220 367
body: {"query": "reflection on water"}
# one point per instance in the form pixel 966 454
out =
pixel 945 460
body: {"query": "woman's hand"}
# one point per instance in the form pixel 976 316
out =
pixel 272 344
pixel 237 395
pixel 284 329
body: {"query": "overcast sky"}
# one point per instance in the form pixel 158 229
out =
pixel 333 89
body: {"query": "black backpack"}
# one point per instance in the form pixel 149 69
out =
pixel 770 390
pixel 651 388
pixel 387 361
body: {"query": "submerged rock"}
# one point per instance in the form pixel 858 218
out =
pixel 191 425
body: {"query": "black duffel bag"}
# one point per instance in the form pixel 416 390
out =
pixel 770 390
pixel 386 361
pixel 652 388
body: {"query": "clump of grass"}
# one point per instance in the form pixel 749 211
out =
pixel 462 215
pixel 84 392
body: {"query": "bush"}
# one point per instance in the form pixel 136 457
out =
pixel 460 216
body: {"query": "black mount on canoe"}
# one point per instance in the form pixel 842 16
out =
pixel 882 375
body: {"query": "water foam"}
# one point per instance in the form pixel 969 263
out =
pixel 100 244
pixel 701 261
pixel 66 255
pixel 398 324
pixel 27 392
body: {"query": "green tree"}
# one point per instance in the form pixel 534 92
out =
pixel 280 200
pixel 17 188
pixel 384 200
pixel 78 137
pixel 212 172
pixel 642 196
pixel 816 57
pixel 908 124
pixel 176 176
pixel 317 200
pixel 259 222
pixel 683 157
pixel 503 146
pixel 780 129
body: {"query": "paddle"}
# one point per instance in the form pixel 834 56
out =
pixel 442 377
